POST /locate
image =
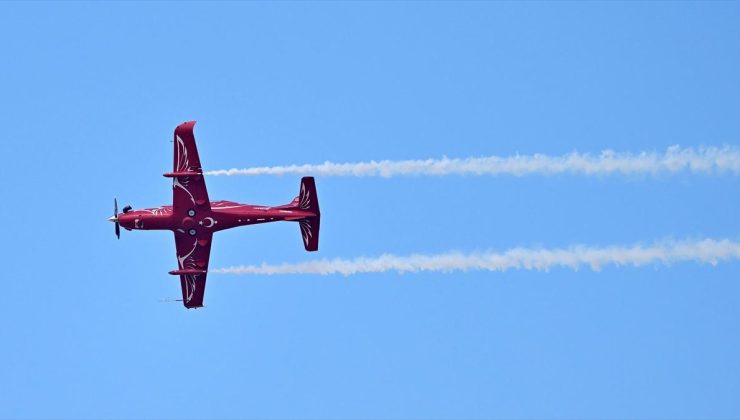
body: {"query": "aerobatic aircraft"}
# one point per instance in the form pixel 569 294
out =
pixel 194 218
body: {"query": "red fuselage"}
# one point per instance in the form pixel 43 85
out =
pixel 222 215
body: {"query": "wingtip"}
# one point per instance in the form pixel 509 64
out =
pixel 186 126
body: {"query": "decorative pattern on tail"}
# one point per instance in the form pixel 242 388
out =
pixel 310 232
pixel 309 201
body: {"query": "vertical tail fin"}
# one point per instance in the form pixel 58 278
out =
pixel 308 200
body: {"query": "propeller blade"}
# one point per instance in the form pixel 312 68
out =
pixel 114 219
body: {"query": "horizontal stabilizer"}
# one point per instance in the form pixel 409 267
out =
pixel 310 232
pixel 308 200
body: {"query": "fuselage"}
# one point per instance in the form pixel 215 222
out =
pixel 222 215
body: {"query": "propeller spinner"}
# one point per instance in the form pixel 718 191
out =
pixel 114 219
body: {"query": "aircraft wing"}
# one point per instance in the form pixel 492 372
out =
pixel 193 253
pixel 188 186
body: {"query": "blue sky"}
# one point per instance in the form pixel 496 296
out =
pixel 90 94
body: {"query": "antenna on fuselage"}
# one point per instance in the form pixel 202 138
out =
pixel 169 300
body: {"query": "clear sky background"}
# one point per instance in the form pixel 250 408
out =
pixel 90 94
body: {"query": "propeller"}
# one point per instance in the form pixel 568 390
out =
pixel 114 219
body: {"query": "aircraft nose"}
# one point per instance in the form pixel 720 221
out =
pixel 113 219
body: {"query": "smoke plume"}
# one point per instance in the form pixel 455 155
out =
pixel 675 159
pixel 702 251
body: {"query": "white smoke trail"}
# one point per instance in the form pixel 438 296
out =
pixel 704 251
pixel 675 159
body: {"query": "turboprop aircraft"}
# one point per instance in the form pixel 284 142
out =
pixel 194 218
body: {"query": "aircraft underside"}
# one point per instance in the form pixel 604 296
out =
pixel 194 219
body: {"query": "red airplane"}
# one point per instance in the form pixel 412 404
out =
pixel 194 219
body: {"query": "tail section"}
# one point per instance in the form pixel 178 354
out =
pixel 310 232
pixel 308 200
